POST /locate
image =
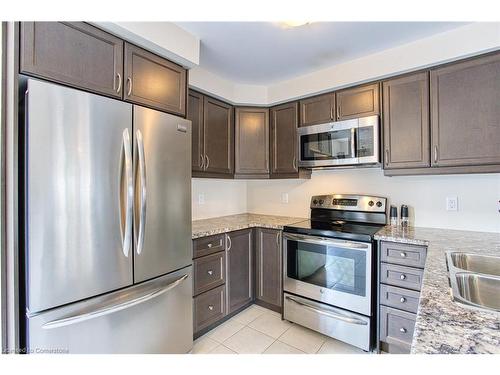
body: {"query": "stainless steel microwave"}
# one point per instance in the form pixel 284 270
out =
pixel 348 142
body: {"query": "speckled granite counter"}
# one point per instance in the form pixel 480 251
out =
pixel 444 326
pixel 208 227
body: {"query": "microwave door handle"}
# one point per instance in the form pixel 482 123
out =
pixel 353 142
pixel 326 241
pixel 329 313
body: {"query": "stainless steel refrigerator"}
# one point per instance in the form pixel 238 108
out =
pixel 108 264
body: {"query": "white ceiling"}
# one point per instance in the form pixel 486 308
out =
pixel 265 52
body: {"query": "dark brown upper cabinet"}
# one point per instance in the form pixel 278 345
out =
pixel 465 113
pixel 153 81
pixel 240 275
pixel 218 134
pixel 73 53
pixel 268 269
pixel 360 101
pixel 317 110
pixel 212 136
pixel 406 122
pixel 251 145
pixel 195 114
pixel 284 121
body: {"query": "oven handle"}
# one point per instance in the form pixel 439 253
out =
pixel 327 241
pixel 330 314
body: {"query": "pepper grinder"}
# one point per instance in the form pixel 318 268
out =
pixel 405 221
pixel 394 216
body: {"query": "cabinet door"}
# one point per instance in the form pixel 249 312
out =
pixel 268 267
pixel 195 114
pixel 154 81
pixel 239 269
pixel 465 113
pixel 357 102
pixel 284 120
pixel 252 141
pixel 317 110
pixel 218 136
pixel 406 122
pixel 73 53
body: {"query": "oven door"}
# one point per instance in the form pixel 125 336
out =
pixel 328 144
pixel 328 270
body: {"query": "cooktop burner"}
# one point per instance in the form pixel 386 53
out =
pixel 346 216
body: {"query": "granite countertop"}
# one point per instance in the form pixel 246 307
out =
pixel 209 227
pixel 442 325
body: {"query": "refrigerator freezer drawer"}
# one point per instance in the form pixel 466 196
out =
pixel 153 317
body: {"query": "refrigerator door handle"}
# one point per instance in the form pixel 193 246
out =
pixel 73 319
pixel 126 231
pixel 143 191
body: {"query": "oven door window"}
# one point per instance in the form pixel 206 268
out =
pixel 332 145
pixel 332 267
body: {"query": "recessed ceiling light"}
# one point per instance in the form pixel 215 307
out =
pixel 291 24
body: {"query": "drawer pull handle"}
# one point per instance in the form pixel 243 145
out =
pixel 210 272
pixel 402 300
pixel 403 276
pixel 210 307
pixel 209 245
pixel 403 255
pixel 402 330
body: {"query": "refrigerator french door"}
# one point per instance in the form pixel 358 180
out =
pixel 107 228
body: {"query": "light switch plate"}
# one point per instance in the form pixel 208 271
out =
pixel 201 198
pixel 452 203
pixel 284 197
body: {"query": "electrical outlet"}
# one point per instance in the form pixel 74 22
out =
pixel 201 198
pixel 284 197
pixel 452 203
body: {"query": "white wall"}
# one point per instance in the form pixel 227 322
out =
pixel 426 195
pixel 222 197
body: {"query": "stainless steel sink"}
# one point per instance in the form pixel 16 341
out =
pixel 477 290
pixel 474 279
pixel 488 265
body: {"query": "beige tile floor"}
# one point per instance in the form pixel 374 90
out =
pixel 259 330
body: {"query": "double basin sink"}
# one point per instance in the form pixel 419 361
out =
pixel 475 279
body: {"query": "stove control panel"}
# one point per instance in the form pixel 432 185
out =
pixel 349 202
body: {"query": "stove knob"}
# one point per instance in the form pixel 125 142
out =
pixel 370 203
pixel 315 201
pixel 321 201
pixel 379 204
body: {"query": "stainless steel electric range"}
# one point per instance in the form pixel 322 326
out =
pixel 329 267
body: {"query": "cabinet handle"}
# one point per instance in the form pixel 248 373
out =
pixel 207 163
pixel 119 82
pixel 129 84
pixel 386 157
pixel 210 307
pixel 402 330
pixel 402 300
pixel 278 239
pixel 209 245
pixel 403 255
pixel 202 162
pixel 210 272
pixel 294 162
pixel 338 112
pixel 229 244
pixel 403 276
pixel 435 154
pixel 331 113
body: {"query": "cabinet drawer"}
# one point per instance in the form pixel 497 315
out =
pixel 399 298
pixel 208 245
pixel 396 327
pixel 209 272
pixel 209 307
pixel 406 255
pixel 405 277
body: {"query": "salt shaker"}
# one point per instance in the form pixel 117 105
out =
pixel 405 221
pixel 394 216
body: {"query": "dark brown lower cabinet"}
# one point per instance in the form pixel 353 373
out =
pixel 240 266
pixel 268 268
